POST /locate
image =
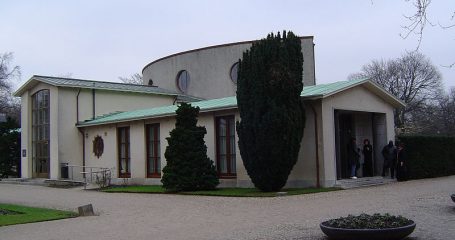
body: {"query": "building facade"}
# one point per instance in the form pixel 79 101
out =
pixel 124 127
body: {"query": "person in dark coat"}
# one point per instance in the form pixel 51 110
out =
pixel 368 158
pixel 389 153
pixel 353 158
pixel 402 168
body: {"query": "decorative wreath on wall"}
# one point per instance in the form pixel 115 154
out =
pixel 98 146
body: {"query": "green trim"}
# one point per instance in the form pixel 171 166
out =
pixel 165 111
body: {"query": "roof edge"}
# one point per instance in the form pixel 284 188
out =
pixel 41 78
pixel 148 117
pixel 360 82
pixel 209 47
pixel 397 102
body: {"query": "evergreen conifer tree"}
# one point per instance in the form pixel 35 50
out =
pixel 10 144
pixel 272 114
pixel 188 168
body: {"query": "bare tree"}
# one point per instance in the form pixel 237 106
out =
pixel 411 78
pixel 8 104
pixel 6 71
pixel 420 20
pixel 133 79
pixel 436 117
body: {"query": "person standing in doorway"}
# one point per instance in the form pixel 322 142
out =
pixel 402 157
pixel 368 158
pixel 389 153
pixel 353 157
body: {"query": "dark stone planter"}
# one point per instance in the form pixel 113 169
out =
pixel 453 197
pixel 370 234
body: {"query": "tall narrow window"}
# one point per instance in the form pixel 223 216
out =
pixel 40 134
pixel 153 150
pixel 225 146
pixel 124 154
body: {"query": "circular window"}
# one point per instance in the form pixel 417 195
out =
pixel 183 79
pixel 234 72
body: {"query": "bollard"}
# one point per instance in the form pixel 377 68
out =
pixel 86 210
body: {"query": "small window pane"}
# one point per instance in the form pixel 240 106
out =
pixel 223 168
pixel 233 164
pixel 153 149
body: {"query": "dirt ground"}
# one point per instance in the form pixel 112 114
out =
pixel 154 216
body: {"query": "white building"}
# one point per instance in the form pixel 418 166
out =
pixel 61 118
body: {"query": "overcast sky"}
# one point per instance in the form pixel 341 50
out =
pixel 106 39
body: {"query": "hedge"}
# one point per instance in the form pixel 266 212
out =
pixel 429 156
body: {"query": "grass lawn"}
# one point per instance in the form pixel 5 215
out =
pixel 224 192
pixel 22 214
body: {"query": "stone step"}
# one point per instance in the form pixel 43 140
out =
pixel 363 182
pixel 23 181
pixel 63 183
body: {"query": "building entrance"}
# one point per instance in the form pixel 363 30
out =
pixel 361 126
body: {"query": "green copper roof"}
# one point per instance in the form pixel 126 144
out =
pixel 206 105
pixel 310 92
pixel 111 86
pixel 324 90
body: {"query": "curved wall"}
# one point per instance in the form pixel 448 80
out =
pixel 209 69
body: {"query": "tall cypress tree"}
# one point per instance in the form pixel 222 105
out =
pixel 188 168
pixel 272 114
pixel 10 144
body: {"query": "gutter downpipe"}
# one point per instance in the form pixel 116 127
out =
pixel 82 133
pixel 77 106
pixel 93 103
pixel 316 143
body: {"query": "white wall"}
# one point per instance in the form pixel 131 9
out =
pixel 303 174
pixel 209 69
pixel 355 99
pixel 65 139
pixel 26 130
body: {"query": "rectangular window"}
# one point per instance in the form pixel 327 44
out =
pixel 153 150
pixel 124 154
pixel 225 146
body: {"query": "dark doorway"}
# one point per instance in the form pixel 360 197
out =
pixel 344 127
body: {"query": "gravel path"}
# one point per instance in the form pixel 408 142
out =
pixel 155 216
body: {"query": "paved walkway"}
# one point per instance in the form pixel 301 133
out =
pixel 150 216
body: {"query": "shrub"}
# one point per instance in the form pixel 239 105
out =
pixel 429 156
pixel 10 143
pixel 272 115
pixel 188 168
pixel 365 221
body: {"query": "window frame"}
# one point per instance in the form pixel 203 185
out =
pixel 230 72
pixel 228 156
pixel 177 80
pixel 127 173
pixel 40 122
pixel 157 145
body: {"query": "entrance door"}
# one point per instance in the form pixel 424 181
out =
pixel 344 126
pixel 41 159
pixel 40 134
